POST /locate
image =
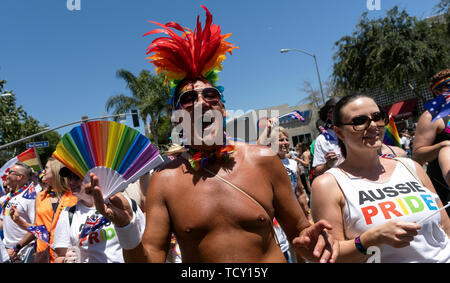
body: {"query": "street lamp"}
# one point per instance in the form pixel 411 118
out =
pixel 317 67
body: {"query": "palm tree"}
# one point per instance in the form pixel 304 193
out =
pixel 149 95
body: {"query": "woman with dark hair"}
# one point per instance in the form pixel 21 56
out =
pixel 375 201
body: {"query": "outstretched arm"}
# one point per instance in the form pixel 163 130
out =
pixel 311 241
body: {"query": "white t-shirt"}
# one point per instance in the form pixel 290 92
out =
pixel 323 146
pixel 405 141
pixel 369 204
pixel 25 203
pixel 101 245
pixel 291 168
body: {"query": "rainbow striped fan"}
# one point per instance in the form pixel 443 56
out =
pixel 116 153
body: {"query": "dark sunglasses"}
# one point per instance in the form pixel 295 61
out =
pixel 187 99
pixel 362 122
pixel 12 172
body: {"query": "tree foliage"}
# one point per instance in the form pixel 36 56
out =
pixel 16 124
pixel 149 95
pixel 389 52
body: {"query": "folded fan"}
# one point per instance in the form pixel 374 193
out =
pixel 116 153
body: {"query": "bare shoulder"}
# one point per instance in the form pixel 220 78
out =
pixel 424 123
pixel 325 183
pixel 258 154
pixel 166 175
pixel 326 188
pixel 325 192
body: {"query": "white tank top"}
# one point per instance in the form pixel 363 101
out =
pixel 369 204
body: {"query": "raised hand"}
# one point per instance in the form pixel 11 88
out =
pixel 117 209
pixel 315 244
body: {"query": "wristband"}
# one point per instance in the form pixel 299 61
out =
pixel 359 245
pixel 308 212
pixel 129 235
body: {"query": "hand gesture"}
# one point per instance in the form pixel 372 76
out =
pixel 396 233
pixel 117 210
pixel 315 243
pixel 14 213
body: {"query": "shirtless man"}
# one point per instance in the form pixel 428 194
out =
pixel 212 221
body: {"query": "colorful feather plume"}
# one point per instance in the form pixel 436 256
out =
pixel 116 153
pixel 192 55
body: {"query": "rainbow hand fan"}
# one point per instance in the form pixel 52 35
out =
pixel 116 153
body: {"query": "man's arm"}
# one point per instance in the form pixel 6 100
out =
pixel 310 241
pixel 155 242
pixel 424 149
pixel 330 158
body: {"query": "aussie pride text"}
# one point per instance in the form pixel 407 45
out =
pixel 401 202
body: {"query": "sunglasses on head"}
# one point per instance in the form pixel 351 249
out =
pixel 362 122
pixel 211 95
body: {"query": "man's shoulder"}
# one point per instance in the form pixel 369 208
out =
pixel 255 153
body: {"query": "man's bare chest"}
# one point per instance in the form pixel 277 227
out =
pixel 207 204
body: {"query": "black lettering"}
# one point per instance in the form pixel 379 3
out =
pixel 418 187
pixel 363 197
pixel 390 192
pixel 402 188
pixel 379 197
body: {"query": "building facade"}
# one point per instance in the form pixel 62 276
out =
pixel 250 125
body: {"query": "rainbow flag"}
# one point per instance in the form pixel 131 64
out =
pixel 391 136
pixel 31 158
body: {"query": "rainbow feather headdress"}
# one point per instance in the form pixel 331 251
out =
pixel 194 54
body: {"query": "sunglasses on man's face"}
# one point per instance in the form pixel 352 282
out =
pixel 210 95
pixel 362 122
pixel 12 172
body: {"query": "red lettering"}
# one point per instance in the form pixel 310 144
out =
pixel 369 212
pixel 93 237
pixel 389 206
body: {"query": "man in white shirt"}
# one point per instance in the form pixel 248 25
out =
pixel 327 153
pixel 98 243
pixel 19 201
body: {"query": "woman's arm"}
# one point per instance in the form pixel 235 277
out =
pixel 328 202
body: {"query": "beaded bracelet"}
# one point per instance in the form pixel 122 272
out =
pixel 359 245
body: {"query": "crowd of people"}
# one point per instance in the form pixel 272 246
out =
pixel 329 201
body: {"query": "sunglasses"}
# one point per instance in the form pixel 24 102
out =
pixel 211 95
pixel 362 122
pixel 12 172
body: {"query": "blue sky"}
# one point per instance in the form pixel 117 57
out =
pixel 62 64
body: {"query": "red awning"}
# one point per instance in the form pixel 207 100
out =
pixel 402 109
